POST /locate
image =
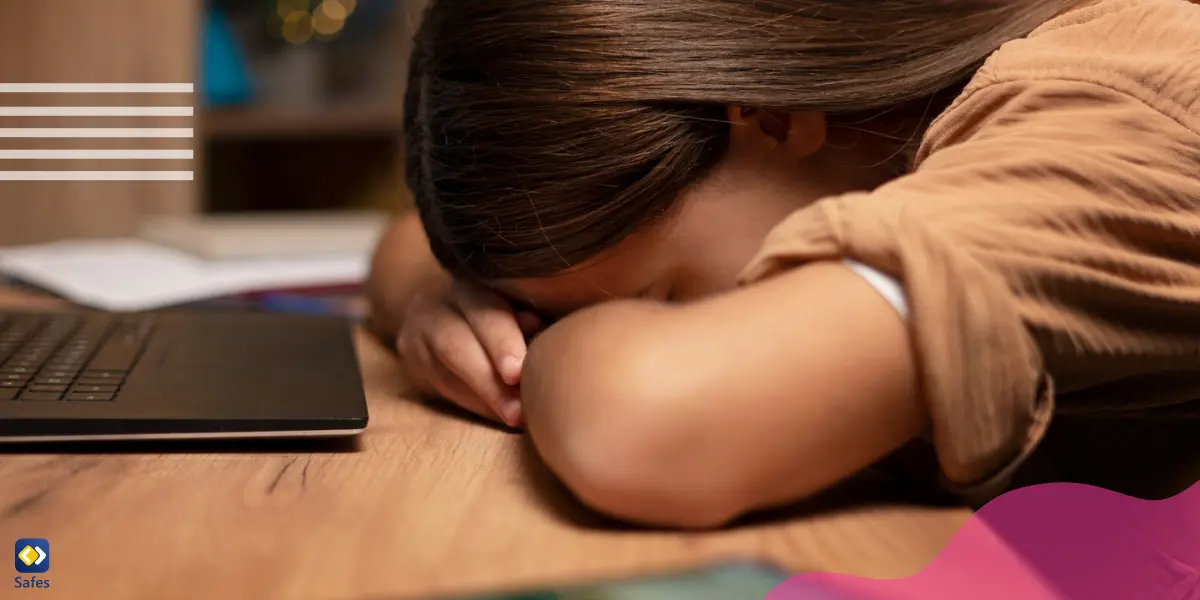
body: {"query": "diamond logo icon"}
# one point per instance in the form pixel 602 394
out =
pixel 32 555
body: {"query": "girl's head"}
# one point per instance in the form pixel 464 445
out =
pixel 566 151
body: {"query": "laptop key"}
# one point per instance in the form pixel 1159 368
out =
pixel 41 396
pixel 108 382
pixel 66 374
pixel 47 388
pixel 86 397
pixel 8 394
pixel 108 375
pixel 95 388
pixel 53 381
pixel 12 384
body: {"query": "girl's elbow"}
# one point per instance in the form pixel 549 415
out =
pixel 609 417
pixel 631 459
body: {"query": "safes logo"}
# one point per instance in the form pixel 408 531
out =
pixel 31 555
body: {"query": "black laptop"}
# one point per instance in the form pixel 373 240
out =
pixel 97 376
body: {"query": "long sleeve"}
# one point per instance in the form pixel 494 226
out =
pixel 1048 240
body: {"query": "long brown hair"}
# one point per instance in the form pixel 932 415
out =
pixel 539 133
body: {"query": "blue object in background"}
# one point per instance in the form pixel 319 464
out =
pixel 225 78
pixel 296 304
pixel 348 306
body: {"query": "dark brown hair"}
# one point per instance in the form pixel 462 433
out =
pixel 540 133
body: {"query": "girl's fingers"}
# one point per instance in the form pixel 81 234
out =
pixel 450 387
pixel 415 363
pixel 496 328
pixel 455 347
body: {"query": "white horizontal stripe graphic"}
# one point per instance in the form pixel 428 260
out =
pixel 95 88
pixel 92 132
pixel 95 175
pixel 95 154
pixel 95 111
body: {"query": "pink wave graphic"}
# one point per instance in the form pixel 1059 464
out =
pixel 1058 541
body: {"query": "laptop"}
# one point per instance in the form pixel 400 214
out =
pixel 99 376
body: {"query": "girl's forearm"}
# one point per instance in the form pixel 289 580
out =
pixel 401 266
pixel 692 415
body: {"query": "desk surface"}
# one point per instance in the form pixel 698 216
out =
pixel 425 503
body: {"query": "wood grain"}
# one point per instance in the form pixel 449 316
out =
pixel 426 503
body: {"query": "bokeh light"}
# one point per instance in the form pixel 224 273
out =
pixel 329 18
pixel 297 27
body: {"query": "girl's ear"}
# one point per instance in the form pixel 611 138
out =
pixel 798 133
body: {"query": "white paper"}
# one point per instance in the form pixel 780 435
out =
pixel 128 275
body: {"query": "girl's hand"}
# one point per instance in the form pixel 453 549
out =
pixel 466 344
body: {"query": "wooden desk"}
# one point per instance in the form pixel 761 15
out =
pixel 425 503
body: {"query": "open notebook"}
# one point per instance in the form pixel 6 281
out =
pixel 128 275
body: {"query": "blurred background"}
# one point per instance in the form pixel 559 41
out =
pixel 304 102
pixel 293 120
pixel 298 105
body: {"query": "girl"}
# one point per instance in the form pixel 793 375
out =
pixel 776 241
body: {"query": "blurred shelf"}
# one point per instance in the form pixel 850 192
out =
pixel 266 122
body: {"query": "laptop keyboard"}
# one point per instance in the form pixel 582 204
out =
pixel 68 357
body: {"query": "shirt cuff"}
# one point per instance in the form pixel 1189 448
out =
pixel 886 285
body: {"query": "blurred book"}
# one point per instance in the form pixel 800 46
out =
pixel 269 234
pixel 128 275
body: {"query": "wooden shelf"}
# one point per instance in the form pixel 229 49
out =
pixel 265 122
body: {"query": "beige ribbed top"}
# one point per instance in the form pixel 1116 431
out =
pixel 1048 239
